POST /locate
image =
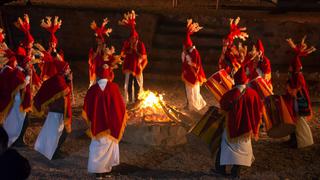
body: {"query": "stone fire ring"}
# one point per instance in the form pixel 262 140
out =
pixel 155 134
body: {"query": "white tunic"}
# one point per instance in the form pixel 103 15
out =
pixel 195 100
pixel 303 133
pixel 14 122
pixel 236 153
pixel 126 86
pixel 48 139
pixel 103 152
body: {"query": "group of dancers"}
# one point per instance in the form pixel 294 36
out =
pixel 39 81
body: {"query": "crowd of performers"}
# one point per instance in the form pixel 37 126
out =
pixel 39 81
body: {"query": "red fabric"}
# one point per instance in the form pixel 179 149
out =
pixel 105 110
pixel 230 61
pixel 240 77
pixel 296 83
pixel 95 67
pixel 50 88
pixel 260 46
pixel 26 98
pixel 134 33
pixel 193 73
pixel 10 81
pixel 243 113
pixel 53 67
pixel 132 53
pixel 187 42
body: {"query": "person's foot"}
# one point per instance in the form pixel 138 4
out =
pixel 103 175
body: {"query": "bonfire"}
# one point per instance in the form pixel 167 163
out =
pixel 151 108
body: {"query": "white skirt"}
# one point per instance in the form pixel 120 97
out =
pixel 195 100
pixel 239 153
pixel 14 121
pixel 103 155
pixel 49 135
pixel 303 133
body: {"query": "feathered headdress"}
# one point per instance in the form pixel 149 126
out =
pixel 129 20
pixel 101 31
pixel 192 27
pixel 51 27
pixel 235 31
pixel 300 50
pixel 24 26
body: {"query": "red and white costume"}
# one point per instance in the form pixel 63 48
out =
pixel 54 97
pixel 15 93
pixel 297 89
pixel 98 56
pixel 228 59
pixel 192 72
pixel 105 113
pixel 244 112
pixel 135 59
pixel 25 49
pixel 48 67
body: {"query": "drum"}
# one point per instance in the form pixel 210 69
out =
pixel 279 122
pixel 219 83
pixel 210 128
pixel 260 85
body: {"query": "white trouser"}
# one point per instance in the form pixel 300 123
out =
pixel 303 133
pixel 126 82
pixel 236 153
pixel 14 122
pixel 103 155
pixel 48 139
pixel 195 100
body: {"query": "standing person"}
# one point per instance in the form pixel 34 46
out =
pixel 48 67
pixel 105 113
pixel 135 59
pixel 244 112
pixel 98 55
pixel 297 97
pixel 25 49
pixel 229 59
pixel 192 72
pixel 54 97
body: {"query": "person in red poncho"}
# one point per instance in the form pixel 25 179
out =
pixel 259 66
pixel 192 72
pixel 54 97
pixel 15 95
pixel 104 111
pixel 244 112
pixel 135 59
pixel 48 68
pixel 297 97
pixel 25 49
pixel 101 54
pixel 229 58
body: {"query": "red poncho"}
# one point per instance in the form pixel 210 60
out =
pixel 193 73
pixel 52 90
pixel 296 83
pixel 11 81
pixel 243 113
pixel 132 54
pixel 105 111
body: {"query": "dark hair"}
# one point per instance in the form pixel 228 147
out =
pixel 4 138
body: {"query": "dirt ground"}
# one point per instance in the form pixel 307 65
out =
pixel 273 160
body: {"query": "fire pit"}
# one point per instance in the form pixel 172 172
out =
pixel 153 122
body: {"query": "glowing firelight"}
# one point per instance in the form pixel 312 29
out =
pixel 150 99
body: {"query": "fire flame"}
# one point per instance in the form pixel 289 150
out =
pixel 149 108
